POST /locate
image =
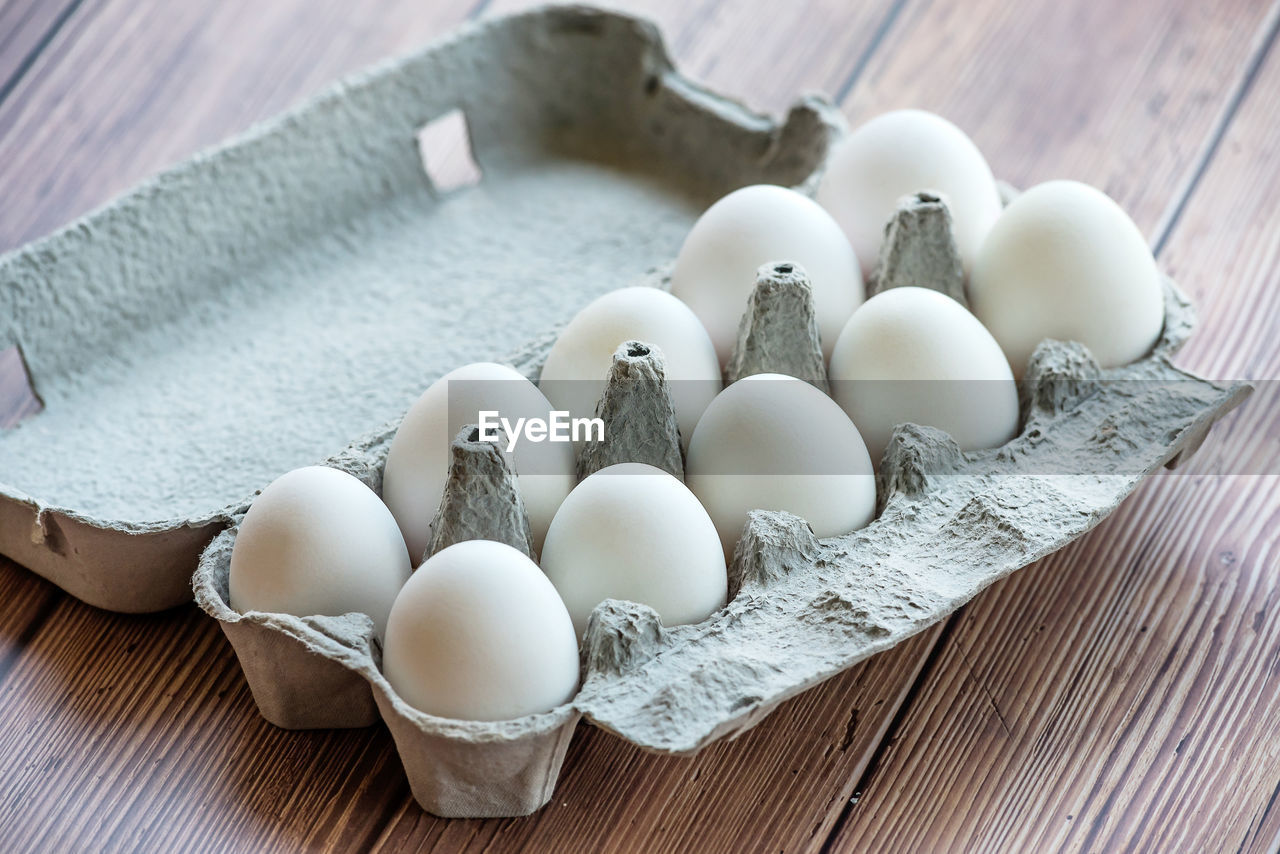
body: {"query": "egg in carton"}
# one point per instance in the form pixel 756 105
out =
pixel 801 608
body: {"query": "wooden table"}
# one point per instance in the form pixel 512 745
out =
pixel 1123 693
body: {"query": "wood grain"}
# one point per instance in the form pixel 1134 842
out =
pixel 1124 96
pixel 26 26
pixel 127 88
pixel 1125 692
pixel 1121 693
pixel 138 733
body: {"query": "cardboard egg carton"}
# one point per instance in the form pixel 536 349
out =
pixel 801 609
pixel 191 327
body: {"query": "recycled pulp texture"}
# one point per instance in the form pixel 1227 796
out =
pixel 778 332
pixel 638 414
pixel 952 523
pixel 262 304
pixel 481 499
pixel 919 247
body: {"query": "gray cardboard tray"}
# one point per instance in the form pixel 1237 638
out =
pixel 801 609
pixel 264 303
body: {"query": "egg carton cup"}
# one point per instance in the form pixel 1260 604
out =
pixel 325 673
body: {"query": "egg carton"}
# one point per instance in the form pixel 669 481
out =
pixel 597 155
pixel 801 609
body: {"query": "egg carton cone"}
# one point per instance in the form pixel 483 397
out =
pixel 778 332
pixel 638 414
pixel 259 305
pixel 919 248
pixel 481 499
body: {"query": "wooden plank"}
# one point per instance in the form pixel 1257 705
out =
pixel 127 88
pixel 1123 691
pixel 26 26
pixel 138 733
pixel 1125 96
pixel 27 602
pixel 1126 692
pixel 598 761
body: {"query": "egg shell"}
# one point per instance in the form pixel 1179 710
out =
pixel 1064 261
pixel 915 355
pixel 771 442
pixel 317 541
pixel 716 268
pixel 418 462
pixel 479 633
pixel 632 531
pixel 900 153
pixel 573 376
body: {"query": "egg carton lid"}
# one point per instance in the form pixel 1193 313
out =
pixel 267 301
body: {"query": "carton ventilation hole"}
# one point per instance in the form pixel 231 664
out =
pixel 445 147
pixel 18 399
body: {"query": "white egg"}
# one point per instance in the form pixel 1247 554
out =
pixel 1064 261
pixel 900 153
pixel 715 271
pixel 771 442
pixel 418 461
pixel 479 633
pixel 573 376
pixel 915 355
pixel 631 531
pixel 317 541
